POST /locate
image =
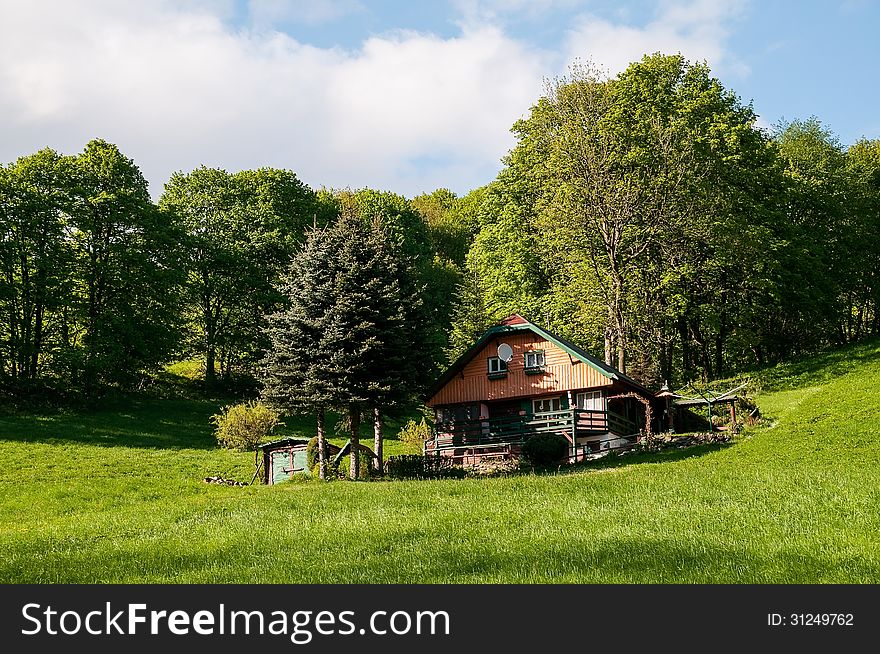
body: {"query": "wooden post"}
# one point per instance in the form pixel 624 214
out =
pixel 257 471
pixel 574 438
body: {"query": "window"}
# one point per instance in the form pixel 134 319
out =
pixel 591 400
pixel 497 368
pixel 458 413
pixel 547 404
pixel 534 361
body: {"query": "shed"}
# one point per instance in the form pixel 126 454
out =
pixel 284 457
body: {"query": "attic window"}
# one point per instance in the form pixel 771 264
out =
pixel 534 361
pixel 497 368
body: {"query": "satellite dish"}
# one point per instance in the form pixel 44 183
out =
pixel 505 352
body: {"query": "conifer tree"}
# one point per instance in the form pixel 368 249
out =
pixel 368 333
pixel 292 375
pixel 346 339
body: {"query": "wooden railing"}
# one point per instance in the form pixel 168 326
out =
pixel 502 430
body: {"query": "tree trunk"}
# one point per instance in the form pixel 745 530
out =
pixel 377 439
pixel 210 362
pixel 210 342
pixel 322 446
pixel 619 321
pixel 608 346
pixel 719 353
pixel 665 362
pixel 609 336
pixel 685 349
pixel 34 363
pixel 354 418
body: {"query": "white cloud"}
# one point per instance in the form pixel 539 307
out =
pixel 698 29
pixel 176 86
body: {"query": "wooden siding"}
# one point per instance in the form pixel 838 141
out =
pixel 560 374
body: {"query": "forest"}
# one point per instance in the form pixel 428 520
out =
pixel 644 216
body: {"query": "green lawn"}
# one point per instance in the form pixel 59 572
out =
pixel 117 496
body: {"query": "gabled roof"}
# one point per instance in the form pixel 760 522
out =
pixel 516 323
pixel 283 442
pixel 290 440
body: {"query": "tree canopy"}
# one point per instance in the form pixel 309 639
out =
pixel 645 216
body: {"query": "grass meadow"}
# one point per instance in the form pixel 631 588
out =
pixel 116 495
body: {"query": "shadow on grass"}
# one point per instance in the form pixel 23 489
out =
pixel 147 422
pixel 140 423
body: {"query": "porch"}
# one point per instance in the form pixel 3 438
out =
pixel 586 430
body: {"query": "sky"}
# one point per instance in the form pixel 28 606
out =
pixel 391 94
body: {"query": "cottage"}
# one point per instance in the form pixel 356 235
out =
pixel 519 380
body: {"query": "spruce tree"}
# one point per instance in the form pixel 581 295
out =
pixel 291 371
pixel 367 333
pixel 347 340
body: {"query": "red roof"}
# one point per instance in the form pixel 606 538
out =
pixel 514 319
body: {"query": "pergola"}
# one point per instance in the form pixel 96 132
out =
pixel 705 398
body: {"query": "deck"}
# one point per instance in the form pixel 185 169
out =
pixel 500 434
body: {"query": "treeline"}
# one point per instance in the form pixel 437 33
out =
pixel 648 218
pixel 644 216
pixel 101 286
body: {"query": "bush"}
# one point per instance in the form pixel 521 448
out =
pixel 421 466
pixel 415 433
pixel 244 426
pixel 545 449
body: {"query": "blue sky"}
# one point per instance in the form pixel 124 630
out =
pixel 405 96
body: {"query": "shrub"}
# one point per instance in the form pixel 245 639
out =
pixel 244 426
pixel 415 433
pixel 421 466
pixel 545 449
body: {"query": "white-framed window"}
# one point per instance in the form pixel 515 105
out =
pixel 590 400
pixel 546 404
pixel 497 366
pixel 534 359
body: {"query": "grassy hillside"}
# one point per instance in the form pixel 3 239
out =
pixel 117 496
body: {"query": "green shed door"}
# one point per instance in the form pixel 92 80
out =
pixel 299 461
pixel 280 466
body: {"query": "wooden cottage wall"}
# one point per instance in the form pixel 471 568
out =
pixel 561 373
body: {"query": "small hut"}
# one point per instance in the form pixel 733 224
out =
pixel 285 457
